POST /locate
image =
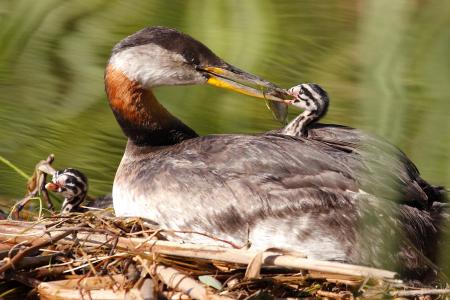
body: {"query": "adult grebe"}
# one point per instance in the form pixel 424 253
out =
pixel 339 194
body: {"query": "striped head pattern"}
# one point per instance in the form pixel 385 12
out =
pixel 72 185
pixel 311 97
pixel 313 100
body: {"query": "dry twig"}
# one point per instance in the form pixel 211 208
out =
pixel 22 253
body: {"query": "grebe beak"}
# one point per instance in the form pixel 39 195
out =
pixel 234 79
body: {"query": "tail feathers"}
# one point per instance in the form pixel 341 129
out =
pixel 437 193
pixel 434 193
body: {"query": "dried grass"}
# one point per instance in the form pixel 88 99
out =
pixel 96 256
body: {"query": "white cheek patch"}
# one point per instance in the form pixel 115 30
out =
pixel 295 91
pixel 152 66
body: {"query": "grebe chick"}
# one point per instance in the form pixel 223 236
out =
pixel 314 100
pixel 72 185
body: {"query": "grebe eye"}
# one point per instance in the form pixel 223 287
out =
pixel 190 57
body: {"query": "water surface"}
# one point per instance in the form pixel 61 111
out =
pixel 386 65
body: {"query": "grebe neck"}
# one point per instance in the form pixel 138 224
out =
pixel 142 118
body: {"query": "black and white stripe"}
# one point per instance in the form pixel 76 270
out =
pixel 73 185
pixel 314 100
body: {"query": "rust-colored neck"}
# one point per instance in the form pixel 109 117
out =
pixel 142 118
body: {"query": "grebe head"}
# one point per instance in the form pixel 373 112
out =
pixel 158 56
pixel 72 185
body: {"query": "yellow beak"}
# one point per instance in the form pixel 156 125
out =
pixel 234 79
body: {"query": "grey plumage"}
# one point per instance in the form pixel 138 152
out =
pixel 339 194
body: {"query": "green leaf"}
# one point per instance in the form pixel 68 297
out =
pixel 210 281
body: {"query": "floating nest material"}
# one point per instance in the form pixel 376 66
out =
pixel 96 256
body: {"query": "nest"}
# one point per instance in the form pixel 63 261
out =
pixel 94 255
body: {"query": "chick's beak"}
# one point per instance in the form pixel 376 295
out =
pixel 52 187
pixel 232 78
